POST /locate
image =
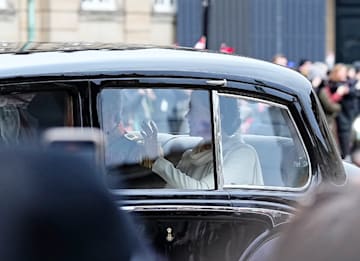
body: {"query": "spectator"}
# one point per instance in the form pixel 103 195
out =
pixel 17 125
pixel 54 207
pixel 317 74
pixel 325 229
pixel 328 100
pixel 280 59
pixel 304 67
pixel 347 99
pixel 357 88
pixel 351 73
pixel 224 48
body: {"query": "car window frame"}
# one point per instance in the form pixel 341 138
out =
pixel 269 94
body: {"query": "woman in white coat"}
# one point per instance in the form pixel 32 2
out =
pixel 195 170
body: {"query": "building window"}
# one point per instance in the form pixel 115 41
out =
pixel 98 5
pixel 164 6
pixel 3 4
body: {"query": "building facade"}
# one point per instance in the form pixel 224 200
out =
pixel 299 29
pixel 126 21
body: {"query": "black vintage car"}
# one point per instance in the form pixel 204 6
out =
pixel 226 167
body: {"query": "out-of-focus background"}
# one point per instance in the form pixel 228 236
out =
pixel 310 29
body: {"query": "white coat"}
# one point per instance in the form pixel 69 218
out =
pixel 195 170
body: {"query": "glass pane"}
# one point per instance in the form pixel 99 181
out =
pixel 98 5
pixel 261 146
pixel 158 138
pixel 24 115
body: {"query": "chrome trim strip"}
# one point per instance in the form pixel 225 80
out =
pixel 80 109
pixel 277 217
pixel 90 103
pixel 217 139
pixel 298 134
pixel 222 83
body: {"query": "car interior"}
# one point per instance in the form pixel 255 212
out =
pixel 278 159
pixel 25 115
pixel 271 133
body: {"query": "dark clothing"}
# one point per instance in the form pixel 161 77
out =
pixel 54 207
pixel 16 126
pixel 346 116
pixel 330 107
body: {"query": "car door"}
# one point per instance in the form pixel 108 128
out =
pixel 181 223
pixel 272 167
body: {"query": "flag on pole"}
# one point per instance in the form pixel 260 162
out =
pixel 201 44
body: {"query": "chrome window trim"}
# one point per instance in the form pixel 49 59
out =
pixel 90 103
pixel 277 217
pixel 80 109
pixel 307 184
pixel 217 139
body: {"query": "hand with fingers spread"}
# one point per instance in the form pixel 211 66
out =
pixel 151 146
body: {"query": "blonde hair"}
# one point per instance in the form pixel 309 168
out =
pixel 334 74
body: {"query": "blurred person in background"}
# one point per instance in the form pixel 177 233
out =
pixel 343 92
pixel 357 87
pixel 317 75
pixel 304 67
pixel 351 73
pixel 224 48
pixel 17 125
pixel 280 59
pixel 55 207
pixel 325 228
pixel 355 146
pixel 329 101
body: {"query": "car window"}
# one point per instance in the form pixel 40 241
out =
pixel 260 145
pixel 23 116
pixel 178 121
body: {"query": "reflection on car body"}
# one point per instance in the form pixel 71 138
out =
pixel 277 122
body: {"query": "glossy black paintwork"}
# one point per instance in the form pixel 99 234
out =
pixel 202 235
pixel 93 67
pixel 131 66
pixel 150 61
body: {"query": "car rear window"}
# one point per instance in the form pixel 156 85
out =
pixel 23 116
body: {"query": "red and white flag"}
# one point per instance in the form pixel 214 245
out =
pixel 201 44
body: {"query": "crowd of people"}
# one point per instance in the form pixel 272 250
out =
pixel 338 89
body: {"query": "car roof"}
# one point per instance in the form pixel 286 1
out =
pixel 56 59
